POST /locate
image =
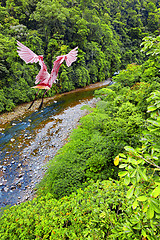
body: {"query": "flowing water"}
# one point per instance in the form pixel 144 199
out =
pixel 27 144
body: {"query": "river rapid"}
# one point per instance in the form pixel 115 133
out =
pixel 28 143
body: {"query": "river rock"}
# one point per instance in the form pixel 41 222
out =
pixel 19 184
pixel 27 197
pixel 21 175
pixel 19 165
pixel 13 187
pixel 6 189
pixel 12 139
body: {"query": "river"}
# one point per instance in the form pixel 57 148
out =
pixel 27 144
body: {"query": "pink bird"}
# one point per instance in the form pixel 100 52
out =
pixel 44 79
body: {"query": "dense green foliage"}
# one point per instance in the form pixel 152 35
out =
pixel 101 135
pixel 126 208
pixel 100 211
pixel 118 120
pixel 108 34
pixel 77 198
pixel 88 214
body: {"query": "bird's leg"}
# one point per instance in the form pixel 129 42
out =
pixel 42 100
pixel 34 99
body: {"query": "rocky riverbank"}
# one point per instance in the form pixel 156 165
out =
pixel 33 158
pixel 22 109
pixel 60 127
pixel 31 141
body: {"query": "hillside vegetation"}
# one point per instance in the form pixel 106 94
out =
pixel 108 34
pixel 104 183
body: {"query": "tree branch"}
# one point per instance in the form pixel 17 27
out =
pixel 149 162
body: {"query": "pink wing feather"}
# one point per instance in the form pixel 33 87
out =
pixel 30 57
pixel 26 54
pixel 71 57
pixel 44 78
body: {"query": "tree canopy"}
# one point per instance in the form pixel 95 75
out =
pixel 108 34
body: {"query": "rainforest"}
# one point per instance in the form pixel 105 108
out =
pixel 104 181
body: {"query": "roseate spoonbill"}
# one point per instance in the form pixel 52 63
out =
pixel 44 79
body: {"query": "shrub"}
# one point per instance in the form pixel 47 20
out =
pixel 130 76
pixel 91 213
pixel 89 154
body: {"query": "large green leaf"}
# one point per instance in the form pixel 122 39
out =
pixel 123 165
pixel 126 180
pixel 150 212
pixel 152 108
pixel 135 204
pixel 122 174
pixel 130 192
pixel 130 149
pixel 155 206
pixel 156 192
pixel 142 198
pixel 143 175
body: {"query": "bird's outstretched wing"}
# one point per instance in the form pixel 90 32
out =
pixel 30 57
pixel 71 56
pixel 26 54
